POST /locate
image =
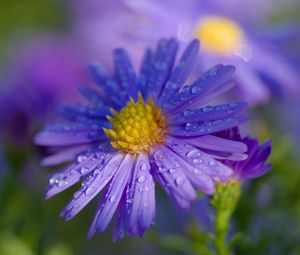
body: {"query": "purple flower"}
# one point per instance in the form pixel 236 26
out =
pixel 230 32
pixel 141 127
pixel 40 73
pixel 255 165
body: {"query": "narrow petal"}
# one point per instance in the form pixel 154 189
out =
pixel 211 142
pixel 181 71
pixel 92 185
pixel 209 113
pixel 65 178
pixel 112 196
pixel 117 95
pixel 194 129
pixel 52 138
pixel 125 73
pixel 200 160
pixel 64 155
pixel 171 176
pixel 142 197
pixel 213 82
pixel 144 73
pixel 162 66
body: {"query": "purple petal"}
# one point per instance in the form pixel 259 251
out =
pixel 64 155
pixel 196 176
pixel 199 160
pixel 194 129
pixel 144 73
pixel 213 82
pixel 65 178
pixel 92 185
pixel 142 198
pixel 112 196
pixel 170 174
pixel 211 142
pixel 162 66
pixel 209 113
pixel 181 71
pixel 65 138
pixel 125 73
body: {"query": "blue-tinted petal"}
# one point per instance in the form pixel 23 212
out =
pixel 144 73
pixel 125 73
pixel 202 162
pixel 209 113
pixel 93 184
pixel 194 129
pixel 213 82
pixel 171 176
pixel 161 67
pixel 112 196
pixel 181 71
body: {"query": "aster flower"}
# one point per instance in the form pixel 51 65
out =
pixel 255 165
pixel 138 128
pixel 231 32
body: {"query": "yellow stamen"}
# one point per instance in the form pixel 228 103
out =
pixel 219 35
pixel 137 127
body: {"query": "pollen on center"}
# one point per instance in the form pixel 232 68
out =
pixel 137 127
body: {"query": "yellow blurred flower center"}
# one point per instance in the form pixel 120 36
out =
pixel 137 127
pixel 219 35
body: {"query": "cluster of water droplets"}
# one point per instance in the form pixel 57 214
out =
pixel 189 93
pixel 201 162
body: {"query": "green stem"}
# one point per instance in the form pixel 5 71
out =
pixel 224 201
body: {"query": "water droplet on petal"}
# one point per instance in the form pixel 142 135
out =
pixel 172 171
pixel 90 191
pixel 146 205
pixel 84 170
pixel 141 179
pixel 197 171
pixel 144 167
pixel 178 180
pixel 112 199
pixel 76 194
pixel 193 154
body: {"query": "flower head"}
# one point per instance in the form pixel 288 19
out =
pixel 255 164
pixel 141 127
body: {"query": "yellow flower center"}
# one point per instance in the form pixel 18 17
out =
pixel 137 127
pixel 219 35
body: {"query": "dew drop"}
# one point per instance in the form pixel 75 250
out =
pixel 146 205
pixel 197 171
pixel 172 171
pixel 193 154
pixel 62 183
pixel 90 191
pixel 112 199
pixel 141 179
pixel 81 158
pixel 84 170
pixel 195 89
pixel 158 155
pixel 144 167
pixel 76 194
pixel 178 181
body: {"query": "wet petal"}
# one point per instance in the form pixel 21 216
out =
pixel 92 185
pixel 112 196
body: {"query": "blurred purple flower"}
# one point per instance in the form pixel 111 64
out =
pixel 230 32
pixel 255 164
pixel 151 132
pixel 41 72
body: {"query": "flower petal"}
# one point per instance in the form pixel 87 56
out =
pixel 92 185
pixel 112 196
pixel 199 160
pixel 213 82
pixel 181 71
pixel 170 175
